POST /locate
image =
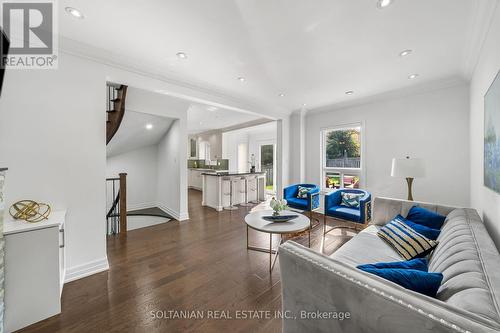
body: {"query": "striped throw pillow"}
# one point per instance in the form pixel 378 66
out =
pixel 406 241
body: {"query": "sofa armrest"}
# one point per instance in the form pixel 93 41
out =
pixel 385 209
pixel 314 284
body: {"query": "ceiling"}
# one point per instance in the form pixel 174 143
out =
pixel 310 51
pixel 202 118
pixel 133 134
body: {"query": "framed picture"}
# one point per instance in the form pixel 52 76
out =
pixel 492 136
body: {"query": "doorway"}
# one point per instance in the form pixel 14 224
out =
pixel 267 165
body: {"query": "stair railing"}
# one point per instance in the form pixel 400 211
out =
pixel 116 195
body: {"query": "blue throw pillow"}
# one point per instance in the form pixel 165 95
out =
pixel 425 217
pixel 419 264
pixel 415 280
pixel 421 229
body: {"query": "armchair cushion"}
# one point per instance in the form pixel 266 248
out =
pixel 297 203
pixel 345 213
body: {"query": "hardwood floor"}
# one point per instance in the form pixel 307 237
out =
pixel 197 265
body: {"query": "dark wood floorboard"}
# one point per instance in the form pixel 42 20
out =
pixel 200 264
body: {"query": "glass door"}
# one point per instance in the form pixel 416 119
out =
pixel 267 159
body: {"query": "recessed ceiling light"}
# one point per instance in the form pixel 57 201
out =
pixel 181 55
pixel 405 53
pixel 350 92
pixel 241 79
pixel 74 12
pixel 413 76
pixel 149 126
pixel 384 3
pixel 201 123
pixel 282 95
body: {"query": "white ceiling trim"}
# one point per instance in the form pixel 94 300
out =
pixel 480 27
pixel 191 91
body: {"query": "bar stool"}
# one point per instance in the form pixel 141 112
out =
pixel 256 189
pixel 230 193
pixel 246 203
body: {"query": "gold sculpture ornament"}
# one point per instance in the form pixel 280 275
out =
pixel 30 211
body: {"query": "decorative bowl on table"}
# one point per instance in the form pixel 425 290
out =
pixel 279 218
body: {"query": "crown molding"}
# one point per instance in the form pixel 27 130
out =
pixel 200 92
pixel 480 26
pixel 394 94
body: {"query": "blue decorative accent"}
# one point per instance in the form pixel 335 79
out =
pixel 416 280
pixel 334 208
pixel 421 229
pixel 425 217
pixel 310 203
pixel 420 264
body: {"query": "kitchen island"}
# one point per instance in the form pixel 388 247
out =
pixel 225 189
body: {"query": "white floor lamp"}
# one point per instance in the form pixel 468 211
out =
pixel 408 168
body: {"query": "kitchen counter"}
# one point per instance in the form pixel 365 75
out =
pixel 224 189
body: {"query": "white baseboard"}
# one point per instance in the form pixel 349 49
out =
pixel 175 214
pixel 87 269
pixel 138 206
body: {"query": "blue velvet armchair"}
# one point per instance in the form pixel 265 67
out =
pixel 309 204
pixel 355 217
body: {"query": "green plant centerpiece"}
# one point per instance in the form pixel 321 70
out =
pixel 278 206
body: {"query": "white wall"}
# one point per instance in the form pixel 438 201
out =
pixel 297 143
pixel 430 125
pixel 172 152
pixel 142 175
pixel 52 138
pixel 485 200
pixel 170 185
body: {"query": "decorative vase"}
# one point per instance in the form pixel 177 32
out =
pixel 276 213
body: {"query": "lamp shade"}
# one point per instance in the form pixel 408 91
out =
pixel 408 167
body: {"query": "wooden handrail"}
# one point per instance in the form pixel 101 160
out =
pixel 123 203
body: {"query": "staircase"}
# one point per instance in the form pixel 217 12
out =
pixel 116 188
pixel 115 110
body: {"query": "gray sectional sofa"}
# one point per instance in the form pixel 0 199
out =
pixel 328 294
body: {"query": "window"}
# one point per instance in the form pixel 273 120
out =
pixel 341 157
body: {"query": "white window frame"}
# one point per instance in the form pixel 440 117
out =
pixel 342 171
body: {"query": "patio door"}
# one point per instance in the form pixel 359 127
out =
pixel 267 165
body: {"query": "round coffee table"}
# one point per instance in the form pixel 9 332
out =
pixel 255 221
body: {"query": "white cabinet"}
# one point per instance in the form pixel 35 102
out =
pixel 34 270
pixel 195 179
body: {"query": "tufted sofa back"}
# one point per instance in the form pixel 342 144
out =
pixel 470 264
